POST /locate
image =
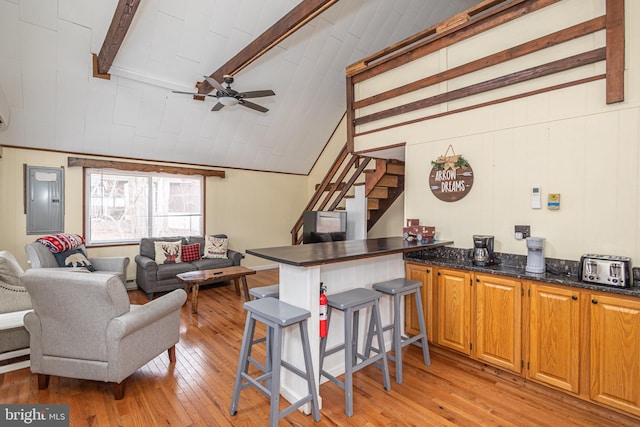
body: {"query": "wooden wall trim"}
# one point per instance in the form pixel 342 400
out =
pixel 141 167
pixel 485 104
pixel 553 39
pixel 553 67
pixel 615 51
pixel 455 35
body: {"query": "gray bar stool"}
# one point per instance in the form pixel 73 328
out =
pixel 398 289
pixel 271 291
pixel 350 303
pixel 276 315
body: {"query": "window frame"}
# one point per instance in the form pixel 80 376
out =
pixel 88 171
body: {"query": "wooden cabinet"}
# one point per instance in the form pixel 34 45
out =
pixel 615 352
pixel 580 341
pixel 554 336
pixel 453 310
pixel 424 274
pixel 498 323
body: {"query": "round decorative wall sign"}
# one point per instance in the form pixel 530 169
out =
pixel 451 177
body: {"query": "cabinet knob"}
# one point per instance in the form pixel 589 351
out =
pixel 477 280
pixel 428 270
pixel 594 301
pixel 439 273
pixel 574 297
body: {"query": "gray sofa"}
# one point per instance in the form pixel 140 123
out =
pixel 152 277
pixel 13 297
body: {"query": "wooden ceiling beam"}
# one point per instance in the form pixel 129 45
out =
pixel 300 15
pixel 141 167
pixel 122 18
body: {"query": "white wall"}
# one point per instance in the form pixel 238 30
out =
pixel 255 209
pixel 567 141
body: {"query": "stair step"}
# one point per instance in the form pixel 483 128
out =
pixel 373 203
pixel 395 168
pixel 388 181
pixel 379 192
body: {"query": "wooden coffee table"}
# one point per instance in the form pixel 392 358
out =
pixel 193 280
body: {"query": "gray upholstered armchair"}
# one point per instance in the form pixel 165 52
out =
pixel 83 326
pixel 41 257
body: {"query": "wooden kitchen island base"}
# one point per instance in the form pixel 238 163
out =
pixel 193 280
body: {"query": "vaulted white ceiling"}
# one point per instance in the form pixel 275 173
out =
pixel 55 103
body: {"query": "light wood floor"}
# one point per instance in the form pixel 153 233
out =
pixel 196 391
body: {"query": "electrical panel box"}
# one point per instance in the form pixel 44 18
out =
pixel 45 200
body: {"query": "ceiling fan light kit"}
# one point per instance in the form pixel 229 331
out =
pixel 227 101
pixel 228 97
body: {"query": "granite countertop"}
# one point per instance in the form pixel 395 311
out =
pixel 560 272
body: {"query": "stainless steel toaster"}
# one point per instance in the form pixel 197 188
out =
pixel 606 270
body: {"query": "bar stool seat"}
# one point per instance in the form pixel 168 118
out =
pixel 276 315
pixel 351 302
pixel 398 289
pixel 271 291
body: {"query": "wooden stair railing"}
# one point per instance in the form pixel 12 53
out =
pixel 382 187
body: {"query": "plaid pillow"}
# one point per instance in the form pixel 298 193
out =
pixel 191 252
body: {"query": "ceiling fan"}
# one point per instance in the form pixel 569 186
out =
pixel 227 96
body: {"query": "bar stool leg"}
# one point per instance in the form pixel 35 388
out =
pixel 243 364
pixel 379 334
pixel 308 366
pixel 423 330
pixel 274 413
pixel 348 361
pixel 397 339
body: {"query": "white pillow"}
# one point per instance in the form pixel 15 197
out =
pixel 168 252
pixel 215 247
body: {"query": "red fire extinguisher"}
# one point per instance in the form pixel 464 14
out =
pixel 323 311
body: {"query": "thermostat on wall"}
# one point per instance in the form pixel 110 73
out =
pixel 536 203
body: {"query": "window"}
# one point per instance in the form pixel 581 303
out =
pixel 123 207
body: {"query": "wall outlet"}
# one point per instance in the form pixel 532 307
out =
pixel 522 231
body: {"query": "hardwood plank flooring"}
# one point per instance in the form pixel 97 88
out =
pixel 196 391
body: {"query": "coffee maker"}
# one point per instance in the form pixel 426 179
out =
pixel 483 250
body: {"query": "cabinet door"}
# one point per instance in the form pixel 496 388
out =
pixel 554 336
pixel 615 352
pixel 424 274
pixel 498 331
pixel 454 308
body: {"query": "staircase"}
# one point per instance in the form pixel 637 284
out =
pixel 383 185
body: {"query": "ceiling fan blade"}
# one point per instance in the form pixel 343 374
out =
pixel 215 84
pixel 192 93
pixel 257 93
pixel 253 106
pixel 217 107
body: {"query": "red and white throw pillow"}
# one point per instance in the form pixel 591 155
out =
pixel 191 252
pixel 215 247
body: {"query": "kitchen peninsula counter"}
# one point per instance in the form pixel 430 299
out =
pixel 347 250
pixel 340 266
